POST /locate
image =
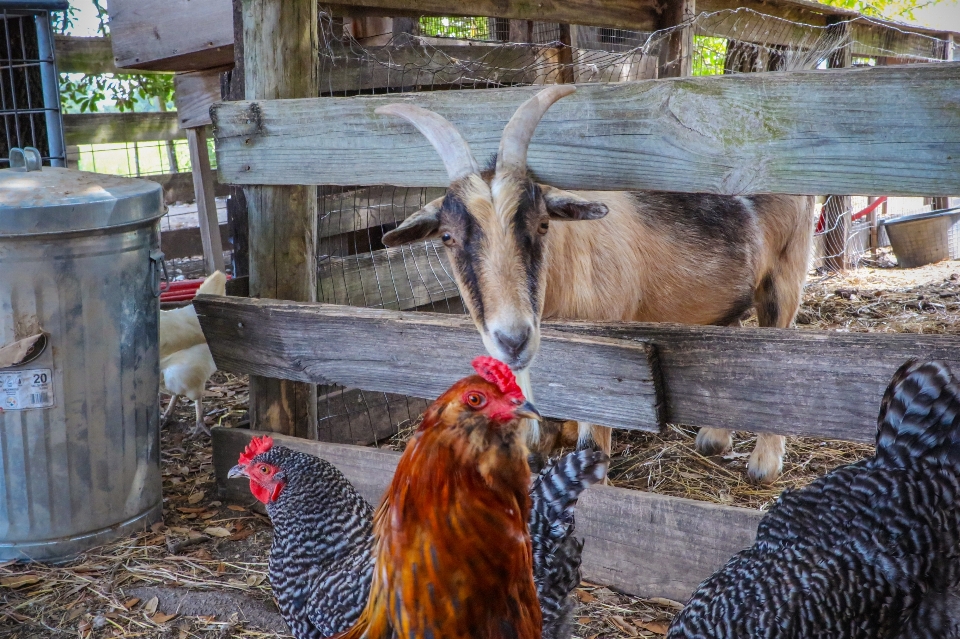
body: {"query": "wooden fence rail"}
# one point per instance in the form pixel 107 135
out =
pixel 800 132
pixel 784 381
pixel 641 543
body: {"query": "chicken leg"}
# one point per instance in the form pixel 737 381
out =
pixel 169 410
pixel 200 427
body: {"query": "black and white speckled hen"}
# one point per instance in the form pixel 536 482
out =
pixel 871 550
pixel 321 562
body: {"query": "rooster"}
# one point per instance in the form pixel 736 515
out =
pixel 321 563
pixel 871 550
pixel 185 359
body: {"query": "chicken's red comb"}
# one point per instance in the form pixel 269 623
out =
pixel 496 372
pixel 256 446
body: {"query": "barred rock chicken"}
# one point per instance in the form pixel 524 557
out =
pixel 185 360
pixel 871 550
pixel 321 564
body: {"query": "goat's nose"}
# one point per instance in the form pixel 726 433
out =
pixel 513 343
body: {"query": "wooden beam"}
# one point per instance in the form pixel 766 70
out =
pixel 93 56
pixel 206 202
pixel 399 278
pixel 676 54
pixel 637 542
pixel 187 242
pixel 171 35
pixel 783 381
pixel 363 418
pixel 749 133
pixel 110 128
pixel 421 354
pixel 194 93
pixel 281 60
pixel 365 208
pixel 178 187
pixel 837 218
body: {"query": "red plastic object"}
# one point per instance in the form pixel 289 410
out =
pixel 181 291
pixel 821 222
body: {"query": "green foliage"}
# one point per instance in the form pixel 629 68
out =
pixel 893 9
pixel 87 93
pixel 709 55
pixel 463 28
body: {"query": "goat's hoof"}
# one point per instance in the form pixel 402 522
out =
pixel 764 467
pixel 714 441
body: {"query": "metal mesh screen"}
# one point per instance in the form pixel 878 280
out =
pixel 29 91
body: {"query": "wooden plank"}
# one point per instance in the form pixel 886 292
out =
pixel 363 418
pixel 871 39
pixel 186 242
pixel 783 381
pixel 609 13
pixel 92 56
pixel 195 92
pixel 748 133
pixel 413 66
pixel 640 543
pixel 676 54
pixel 171 35
pixel 281 60
pixel 399 278
pixel 112 128
pixel 837 218
pixel 421 354
pixel 206 201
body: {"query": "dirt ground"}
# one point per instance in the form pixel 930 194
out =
pixel 201 573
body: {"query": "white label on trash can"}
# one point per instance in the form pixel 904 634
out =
pixel 20 390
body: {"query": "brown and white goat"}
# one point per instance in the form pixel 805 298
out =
pixel 518 257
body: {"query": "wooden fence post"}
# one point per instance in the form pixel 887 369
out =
pixel 281 60
pixel 676 55
pixel 837 216
pixel 944 202
pixel 206 201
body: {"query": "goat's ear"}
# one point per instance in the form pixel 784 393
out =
pixel 564 205
pixel 422 225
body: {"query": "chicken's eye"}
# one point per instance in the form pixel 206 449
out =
pixel 476 400
pixel 264 469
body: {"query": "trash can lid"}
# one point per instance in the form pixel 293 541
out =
pixel 35 201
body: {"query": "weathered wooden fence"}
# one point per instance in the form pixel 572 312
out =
pixel 779 133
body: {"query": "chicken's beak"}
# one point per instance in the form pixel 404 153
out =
pixel 237 471
pixel 528 411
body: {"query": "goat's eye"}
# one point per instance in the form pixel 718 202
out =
pixel 476 400
pixel 447 239
pixel 544 227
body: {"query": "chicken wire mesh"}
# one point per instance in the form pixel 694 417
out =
pixel 355 268
pixel 29 90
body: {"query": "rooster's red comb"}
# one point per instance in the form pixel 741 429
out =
pixel 498 373
pixel 256 446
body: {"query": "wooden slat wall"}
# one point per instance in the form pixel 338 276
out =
pixel 784 381
pixel 421 354
pixel 751 133
pixel 641 543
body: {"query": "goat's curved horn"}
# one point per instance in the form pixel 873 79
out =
pixel 453 149
pixel 519 130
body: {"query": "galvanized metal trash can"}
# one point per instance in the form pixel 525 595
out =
pixel 79 431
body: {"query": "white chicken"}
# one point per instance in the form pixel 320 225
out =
pixel 185 360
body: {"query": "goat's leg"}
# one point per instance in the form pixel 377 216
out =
pixel 169 410
pixel 714 441
pixel 766 460
pixel 200 427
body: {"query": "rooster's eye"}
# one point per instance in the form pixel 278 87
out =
pixel 264 470
pixel 476 400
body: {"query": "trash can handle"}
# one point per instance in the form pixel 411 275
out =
pixel 28 158
pixel 157 264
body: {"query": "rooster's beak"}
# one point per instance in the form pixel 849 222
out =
pixel 529 411
pixel 237 471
